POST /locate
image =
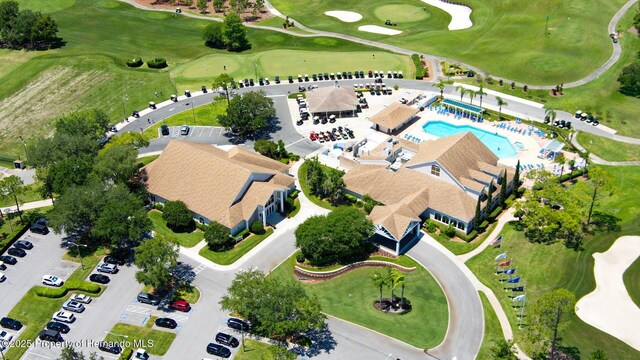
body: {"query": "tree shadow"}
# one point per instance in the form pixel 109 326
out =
pixel 604 222
pixel 272 127
pixel 321 341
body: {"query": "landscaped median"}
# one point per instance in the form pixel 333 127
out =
pixel 351 296
pixel 132 337
pixel 230 256
pixel 39 303
pixel 186 239
pixel 256 350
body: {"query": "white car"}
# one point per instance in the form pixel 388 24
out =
pixel 107 268
pixel 5 337
pixel 81 298
pixel 64 316
pixel 52 280
pixel 73 306
pixel 2 277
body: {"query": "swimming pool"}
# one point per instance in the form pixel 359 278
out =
pixel 499 145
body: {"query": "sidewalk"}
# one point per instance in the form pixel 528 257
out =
pixel 29 205
pixel 504 218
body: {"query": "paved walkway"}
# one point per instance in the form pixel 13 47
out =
pixel 609 307
pixel 29 205
pixel 504 218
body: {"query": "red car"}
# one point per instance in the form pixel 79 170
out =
pixel 180 305
pixel 313 136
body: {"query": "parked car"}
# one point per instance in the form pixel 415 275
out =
pixel 39 229
pixel 73 306
pixel 184 130
pixel 58 326
pixel 218 350
pixel 164 129
pixel 8 259
pixel 141 354
pixel 50 335
pixel 99 278
pixel 2 277
pixel 2 266
pixel 110 347
pixel 23 244
pixel 107 268
pixel 5 337
pixel 9 323
pixel 81 298
pixel 238 324
pixel 115 260
pixel 52 280
pixel 16 252
pixel 226 339
pixel 147 298
pixel 180 305
pixel 64 316
pixel 166 323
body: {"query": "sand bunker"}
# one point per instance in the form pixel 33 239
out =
pixel 460 15
pixel 609 307
pixel 346 16
pixel 378 30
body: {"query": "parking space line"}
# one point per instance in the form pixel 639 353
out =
pixel 42 356
pixel 199 269
pixel 210 132
pixel 138 310
pixel 178 318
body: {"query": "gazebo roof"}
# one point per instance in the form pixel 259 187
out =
pixel 332 99
pixel 554 145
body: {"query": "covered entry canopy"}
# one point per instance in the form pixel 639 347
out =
pixel 463 106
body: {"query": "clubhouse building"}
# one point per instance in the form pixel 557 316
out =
pixel 441 180
pixel 230 185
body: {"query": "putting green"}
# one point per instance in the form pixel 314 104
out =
pixel 47 6
pixel 401 13
pixel 270 63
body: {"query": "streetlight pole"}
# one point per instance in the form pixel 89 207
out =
pixel 124 111
pixel 173 81
pixel 25 146
pixel 193 112
pixel 255 67
pixel 79 253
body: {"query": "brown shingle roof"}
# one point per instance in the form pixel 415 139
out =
pixel 331 99
pixel 459 154
pixel 213 182
pixel 395 218
pixel 393 115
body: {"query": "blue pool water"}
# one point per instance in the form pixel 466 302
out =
pixel 499 145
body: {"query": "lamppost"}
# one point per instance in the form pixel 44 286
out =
pixel 255 67
pixel 173 81
pixel 79 253
pixel 124 111
pixel 25 146
pixel 193 111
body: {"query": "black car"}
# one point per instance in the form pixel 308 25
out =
pixel 166 323
pixel 114 260
pixel 238 324
pixel 204 89
pixel 147 298
pixel 10 323
pixel 50 335
pixel 226 339
pixel 58 326
pixel 99 278
pixel 164 129
pixel 218 350
pixel 110 347
pixel 8 259
pixel 23 244
pixel 39 229
pixel 16 252
pixel 135 114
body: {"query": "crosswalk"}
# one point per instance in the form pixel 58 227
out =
pixel 199 269
pixel 139 310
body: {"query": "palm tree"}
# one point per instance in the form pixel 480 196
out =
pixel 481 93
pixel 560 159
pixel 392 277
pixel 401 281
pixel 379 281
pixel 440 85
pixel 472 94
pixel 501 103
pixel 550 114
pixel 462 91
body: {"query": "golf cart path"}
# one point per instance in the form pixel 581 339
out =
pixel 615 56
pixel 598 160
pixel 609 307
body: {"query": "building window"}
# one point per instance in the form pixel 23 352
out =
pixel 438 217
pixel 460 226
pixel 445 219
pixel 435 170
pixel 454 223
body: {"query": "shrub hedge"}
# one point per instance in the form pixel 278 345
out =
pixel 418 63
pixel 80 285
pixel 157 63
pixel 135 62
pixel 257 228
pixel 49 292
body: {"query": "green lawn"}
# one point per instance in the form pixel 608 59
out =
pixel 156 342
pixel 402 260
pixel 546 267
pixel 230 256
pixel 460 247
pixel 256 350
pixel 35 311
pixel 632 281
pixel 205 115
pixel 506 33
pixel 492 329
pixel 147 159
pixel 90 70
pixel 351 296
pixel 607 149
pixel 184 239
pixel 191 296
pixel 302 177
pixel 30 194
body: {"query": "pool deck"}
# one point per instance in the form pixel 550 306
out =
pixel 532 143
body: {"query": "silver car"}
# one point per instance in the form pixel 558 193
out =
pixel 107 268
pixel 73 306
pixel 64 316
pixel 81 298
